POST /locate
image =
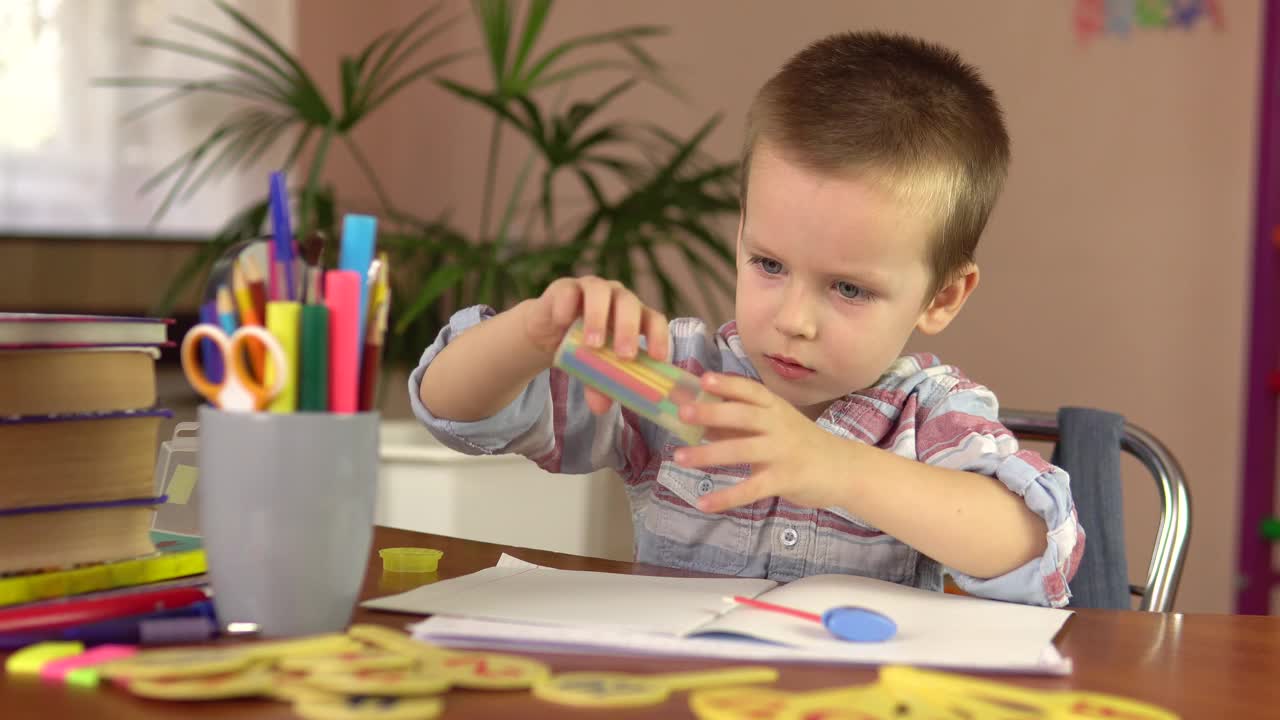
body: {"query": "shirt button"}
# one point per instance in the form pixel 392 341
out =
pixel 790 537
pixel 704 486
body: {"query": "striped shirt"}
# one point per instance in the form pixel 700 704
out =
pixel 919 409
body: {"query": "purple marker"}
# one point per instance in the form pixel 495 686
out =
pixel 282 280
pixel 210 358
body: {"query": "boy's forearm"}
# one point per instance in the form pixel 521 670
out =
pixel 482 370
pixel 966 521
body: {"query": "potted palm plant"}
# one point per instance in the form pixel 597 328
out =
pixel 650 194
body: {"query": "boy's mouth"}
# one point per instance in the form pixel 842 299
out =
pixel 788 368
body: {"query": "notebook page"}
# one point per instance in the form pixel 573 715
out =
pixel 931 625
pixel 516 591
pixel 465 633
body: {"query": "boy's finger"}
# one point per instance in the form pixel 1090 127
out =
pixel 597 402
pixel 736 451
pixel 657 333
pixel 744 493
pixel 627 311
pixel 724 415
pixel 565 301
pixel 597 297
pixel 736 387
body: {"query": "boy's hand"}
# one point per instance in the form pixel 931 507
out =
pixel 605 306
pixel 790 456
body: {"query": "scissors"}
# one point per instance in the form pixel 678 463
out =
pixel 238 391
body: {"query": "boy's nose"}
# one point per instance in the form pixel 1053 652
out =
pixel 796 317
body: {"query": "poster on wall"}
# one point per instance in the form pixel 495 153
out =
pixel 1123 18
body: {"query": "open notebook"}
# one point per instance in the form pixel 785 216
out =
pixel 516 604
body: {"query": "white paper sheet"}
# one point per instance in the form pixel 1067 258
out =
pixel 523 592
pixel 519 605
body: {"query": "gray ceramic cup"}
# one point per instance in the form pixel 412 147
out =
pixel 286 510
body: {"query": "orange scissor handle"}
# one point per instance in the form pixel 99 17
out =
pixel 192 366
pixel 238 389
pixel 258 390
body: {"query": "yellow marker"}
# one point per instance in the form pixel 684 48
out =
pixel 979 697
pixel 31 658
pixel 282 322
pixel 596 689
pixel 382 683
pixel 488 671
pixel 381 708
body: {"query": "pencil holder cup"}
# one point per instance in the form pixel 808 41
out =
pixel 286 508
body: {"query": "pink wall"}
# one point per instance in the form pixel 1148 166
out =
pixel 1114 269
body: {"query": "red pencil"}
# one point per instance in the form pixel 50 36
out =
pixel 62 614
pixel 762 605
pixel 257 289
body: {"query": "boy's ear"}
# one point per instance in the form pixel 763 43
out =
pixel 946 304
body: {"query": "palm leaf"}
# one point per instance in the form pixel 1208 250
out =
pixel 233 125
pixel 445 277
pixel 307 97
pixel 491 102
pixel 257 125
pixel 708 273
pixel 256 78
pixel 308 201
pixel 236 44
pixel 298 146
pixel 179 86
pixel 265 141
pixel 613 36
pixel 388 50
pixel 411 77
pixel 381 74
pixel 579 69
pixel 670 296
pixel 534 19
pixel 247 223
pixel 495 23
pixel 517 192
pixel 686 151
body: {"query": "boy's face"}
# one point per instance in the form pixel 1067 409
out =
pixel 832 276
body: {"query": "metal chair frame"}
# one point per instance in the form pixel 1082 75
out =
pixel 1174 531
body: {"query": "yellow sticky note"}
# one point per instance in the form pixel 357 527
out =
pixel 31 658
pixel 182 484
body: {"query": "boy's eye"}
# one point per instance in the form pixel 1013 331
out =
pixel 768 265
pixel 849 291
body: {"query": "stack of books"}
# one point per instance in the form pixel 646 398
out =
pixel 78 437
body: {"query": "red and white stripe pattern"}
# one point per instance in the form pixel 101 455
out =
pixel 919 409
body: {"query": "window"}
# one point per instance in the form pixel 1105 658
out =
pixel 69 165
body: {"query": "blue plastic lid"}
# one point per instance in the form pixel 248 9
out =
pixel 857 624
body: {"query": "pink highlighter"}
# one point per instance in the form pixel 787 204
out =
pixel 342 297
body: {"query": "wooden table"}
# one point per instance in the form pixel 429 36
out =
pixel 1201 666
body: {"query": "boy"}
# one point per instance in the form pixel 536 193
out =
pixel 870 166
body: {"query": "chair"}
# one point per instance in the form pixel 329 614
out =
pixel 1174 529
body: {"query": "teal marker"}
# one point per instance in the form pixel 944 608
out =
pixel 358 236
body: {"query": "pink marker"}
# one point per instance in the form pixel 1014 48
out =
pixel 57 670
pixel 342 297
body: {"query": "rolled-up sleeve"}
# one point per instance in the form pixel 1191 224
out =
pixel 548 422
pixel 962 431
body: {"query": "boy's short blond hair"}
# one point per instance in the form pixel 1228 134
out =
pixel 909 114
